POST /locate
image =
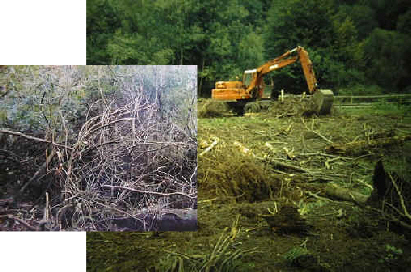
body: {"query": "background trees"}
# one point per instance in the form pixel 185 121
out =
pixel 352 43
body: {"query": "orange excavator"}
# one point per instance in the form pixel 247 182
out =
pixel 238 93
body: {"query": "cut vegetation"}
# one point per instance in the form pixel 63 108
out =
pixel 274 196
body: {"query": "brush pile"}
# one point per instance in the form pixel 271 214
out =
pixel 131 156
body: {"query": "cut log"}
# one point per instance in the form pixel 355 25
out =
pixel 334 191
pixel 362 147
pixel 171 220
pixel 285 166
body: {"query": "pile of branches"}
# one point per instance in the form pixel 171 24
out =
pixel 293 106
pixel 127 161
pixel 209 108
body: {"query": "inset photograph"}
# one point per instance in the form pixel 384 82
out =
pixel 98 148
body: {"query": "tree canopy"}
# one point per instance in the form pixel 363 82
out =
pixel 351 43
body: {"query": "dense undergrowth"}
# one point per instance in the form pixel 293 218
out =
pixel 83 146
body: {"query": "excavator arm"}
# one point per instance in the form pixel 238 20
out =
pixel 323 99
pixel 282 61
pixel 308 70
pixel 251 88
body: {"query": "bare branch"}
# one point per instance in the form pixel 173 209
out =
pixel 33 138
pixel 24 223
pixel 149 192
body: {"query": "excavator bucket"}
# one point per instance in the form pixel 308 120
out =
pixel 323 100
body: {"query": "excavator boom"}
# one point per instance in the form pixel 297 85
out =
pixel 285 60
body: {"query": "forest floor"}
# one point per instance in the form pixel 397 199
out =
pixel 253 165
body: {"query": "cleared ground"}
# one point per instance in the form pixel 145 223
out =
pixel 252 167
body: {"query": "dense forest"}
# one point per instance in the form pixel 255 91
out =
pixel 357 46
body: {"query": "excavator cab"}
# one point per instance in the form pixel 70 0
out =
pixel 248 76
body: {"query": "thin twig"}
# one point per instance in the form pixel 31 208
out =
pixel 323 154
pixel 318 134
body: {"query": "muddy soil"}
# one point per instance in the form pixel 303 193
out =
pixel 252 166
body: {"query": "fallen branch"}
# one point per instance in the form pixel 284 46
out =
pixel 15 133
pixel 118 210
pixel 275 163
pixel 210 147
pixel 315 195
pixel 340 193
pixel 6 201
pixel 282 165
pixel 359 147
pixel 148 192
pixel 364 183
pixel 327 162
pixel 290 154
pixel 24 223
pixel 323 154
pixel 316 133
pixel 390 217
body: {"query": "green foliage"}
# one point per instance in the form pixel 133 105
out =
pixel 329 39
pixel 208 34
pixel 362 16
pixel 384 52
pixel 392 254
pixel 49 98
pixel 404 23
pixel 346 32
pixel 102 22
pixel 251 51
pixel 306 207
pixel 348 51
pixel 294 253
pixel 37 98
pixel 388 12
pixel 298 22
pixel 384 106
pixel 359 89
pixel 171 263
pixel 350 42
